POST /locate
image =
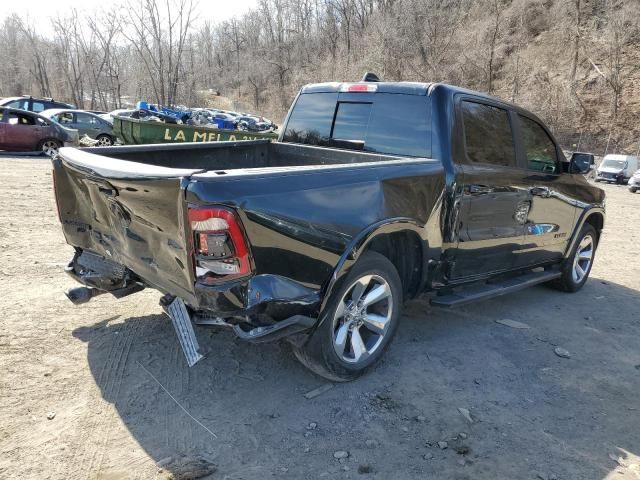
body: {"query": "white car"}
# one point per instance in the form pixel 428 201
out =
pixel 617 168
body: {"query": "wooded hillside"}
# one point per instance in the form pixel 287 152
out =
pixel 576 63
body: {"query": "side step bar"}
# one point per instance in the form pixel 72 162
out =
pixel 490 290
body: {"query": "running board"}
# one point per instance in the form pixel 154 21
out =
pixel 490 290
pixel 179 315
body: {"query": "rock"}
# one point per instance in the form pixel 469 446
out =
pixel 462 462
pixel 312 426
pixel 345 468
pixel 371 443
pixel 340 454
pixel 588 319
pixel 318 391
pixel 463 435
pixel 307 450
pixel 428 456
pixel 443 445
pixel 364 468
pixel 541 476
pixel 189 468
pixel 637 367
pixel 466 414
pixel 51 415
pixel 461 449
pixel 561 352
pixel 422 418
pixel 513 324
pixel 405 429
pixel 307 434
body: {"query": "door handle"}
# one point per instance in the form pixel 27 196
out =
pixel 543 192
pixel 478 189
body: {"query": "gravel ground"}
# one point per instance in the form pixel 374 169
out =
pixel 102 390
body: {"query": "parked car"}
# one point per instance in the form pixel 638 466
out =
pixel 634 182
pixel 374 193
pixel 86 123
pixel 616 168
pixel 22 131
pixel 32 104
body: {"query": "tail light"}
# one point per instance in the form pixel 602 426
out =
pixel 219 245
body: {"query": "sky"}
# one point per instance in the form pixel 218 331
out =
pixel 40 11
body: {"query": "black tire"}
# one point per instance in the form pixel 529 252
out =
pixel 319 355
pixel 568 282
pixel 105 140
pixel 49 146
pixel 633 189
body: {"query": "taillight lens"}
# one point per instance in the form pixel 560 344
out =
pixel 358 87
pixel 220 247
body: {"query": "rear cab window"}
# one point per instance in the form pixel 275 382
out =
pixel 385 123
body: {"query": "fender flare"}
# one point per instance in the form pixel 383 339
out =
pixel 594 210
pixel 359 243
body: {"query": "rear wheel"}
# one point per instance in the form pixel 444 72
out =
pixel 50 147
pixel 104 140
pixel 361 318
pixel 577 266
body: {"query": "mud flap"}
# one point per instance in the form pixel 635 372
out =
pixel 181 320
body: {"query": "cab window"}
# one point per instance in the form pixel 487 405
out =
pixel 488 136
pixel 539 148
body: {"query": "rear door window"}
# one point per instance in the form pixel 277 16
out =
pixel 539 148
pixel 488 136
pixel 15 118
pixel 84 119
pixel 393 124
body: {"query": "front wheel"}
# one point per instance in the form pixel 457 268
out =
pixel 360 320
pixel 577 266
pixel 633 189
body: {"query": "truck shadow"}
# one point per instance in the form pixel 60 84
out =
pixel 243 408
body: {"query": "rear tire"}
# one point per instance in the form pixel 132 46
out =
pixel 360 319
pixel 633 189
pixel 577 266
pixel 104 140
pixel 49 146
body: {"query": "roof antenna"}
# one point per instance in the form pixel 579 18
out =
pixel 370 77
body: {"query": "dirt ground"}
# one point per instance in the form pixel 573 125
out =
pixel 103 391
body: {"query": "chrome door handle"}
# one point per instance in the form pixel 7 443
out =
pixel 540 192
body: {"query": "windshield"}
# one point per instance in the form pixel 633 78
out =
pixel 387 123
pixel 621 164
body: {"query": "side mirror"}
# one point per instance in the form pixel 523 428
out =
pixel 581 162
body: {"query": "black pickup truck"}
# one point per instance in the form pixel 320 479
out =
pixel 374 193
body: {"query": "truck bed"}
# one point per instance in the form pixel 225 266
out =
pixel 188 159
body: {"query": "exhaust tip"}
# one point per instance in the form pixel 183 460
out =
pixel 80 295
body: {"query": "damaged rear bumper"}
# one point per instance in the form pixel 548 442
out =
pixel 259 309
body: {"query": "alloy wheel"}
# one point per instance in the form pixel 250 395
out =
pixel 105 141
pixel 583 258
pixel 362 318
pixel 50 147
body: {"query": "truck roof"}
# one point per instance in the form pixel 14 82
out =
pixel 407 88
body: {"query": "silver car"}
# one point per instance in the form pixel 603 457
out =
pixel 86 123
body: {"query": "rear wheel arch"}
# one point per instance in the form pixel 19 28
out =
pixel 383 238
